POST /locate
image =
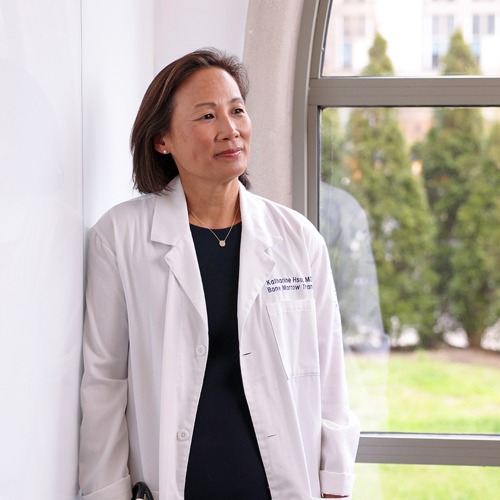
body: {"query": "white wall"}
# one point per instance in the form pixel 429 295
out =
pixel 41 270
pixel 185 26
pixel 117 58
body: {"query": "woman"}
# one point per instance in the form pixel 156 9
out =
pixel 212 345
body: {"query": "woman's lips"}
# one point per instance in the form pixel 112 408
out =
pixel 230 153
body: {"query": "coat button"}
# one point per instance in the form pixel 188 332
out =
pixel 201 350
pixel 183 435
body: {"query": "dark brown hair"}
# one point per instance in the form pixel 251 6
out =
pixel 152 171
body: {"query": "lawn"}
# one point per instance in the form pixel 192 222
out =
pixel 430 392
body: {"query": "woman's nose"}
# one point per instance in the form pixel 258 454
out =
pixel 229 129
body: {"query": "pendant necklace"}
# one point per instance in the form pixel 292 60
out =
pixel 222 243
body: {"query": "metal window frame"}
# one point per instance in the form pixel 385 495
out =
pixel 430 449
pixel 312 93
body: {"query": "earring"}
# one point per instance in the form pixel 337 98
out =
pixel 164 151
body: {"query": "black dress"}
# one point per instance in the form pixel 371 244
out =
pixel 224 461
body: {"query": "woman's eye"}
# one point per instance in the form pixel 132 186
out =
pixel 208 116
pixel 239 110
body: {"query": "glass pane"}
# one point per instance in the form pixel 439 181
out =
pixel 410 211
pixel 415 35
pixel 425 482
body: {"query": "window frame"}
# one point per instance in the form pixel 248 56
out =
pixel 314 92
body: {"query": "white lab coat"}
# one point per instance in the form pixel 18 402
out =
pixel 146 343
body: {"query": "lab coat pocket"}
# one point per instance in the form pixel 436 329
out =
pixel 294 327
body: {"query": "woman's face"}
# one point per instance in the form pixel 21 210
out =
pixel 210 131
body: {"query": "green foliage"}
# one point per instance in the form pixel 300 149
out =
pixel 459 59
pixel 401 224
pixel 378 166
pixel 474 287
pixel 435 237
pixel 451 157
pixel 461 187
pixel 379 63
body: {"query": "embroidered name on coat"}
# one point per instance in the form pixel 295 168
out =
pixel 289 283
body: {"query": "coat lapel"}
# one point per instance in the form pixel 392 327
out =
pixel 259 234
pixel 170 226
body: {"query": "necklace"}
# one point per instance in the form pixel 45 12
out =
pixel 222 243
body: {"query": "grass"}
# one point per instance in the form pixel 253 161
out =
pixel 422 392
pixel 426 482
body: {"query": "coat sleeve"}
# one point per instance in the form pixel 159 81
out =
pixel 340 427
pixel 103 435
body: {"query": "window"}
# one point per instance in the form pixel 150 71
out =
pixel 354 26
pixel 347 52
pixel 491 25
pixel 483 24
pixel 442 25
pixel 475 25
pixel 395 180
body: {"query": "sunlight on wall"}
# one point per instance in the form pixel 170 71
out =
pixel 41 249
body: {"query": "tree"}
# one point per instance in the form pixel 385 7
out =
pixel 459 60
pixel 381 179
pixel 474 286
pixel 379 63
pixel 454 173
pixel 492 247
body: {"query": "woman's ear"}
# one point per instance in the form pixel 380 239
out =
pixel 160 144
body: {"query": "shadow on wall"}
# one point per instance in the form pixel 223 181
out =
pixel 40 299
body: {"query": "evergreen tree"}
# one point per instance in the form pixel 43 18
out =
pixel 474 286
pixel 492 243
pixel 379 63
pixel 402 227
pixel 453 166
pixel 459 60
